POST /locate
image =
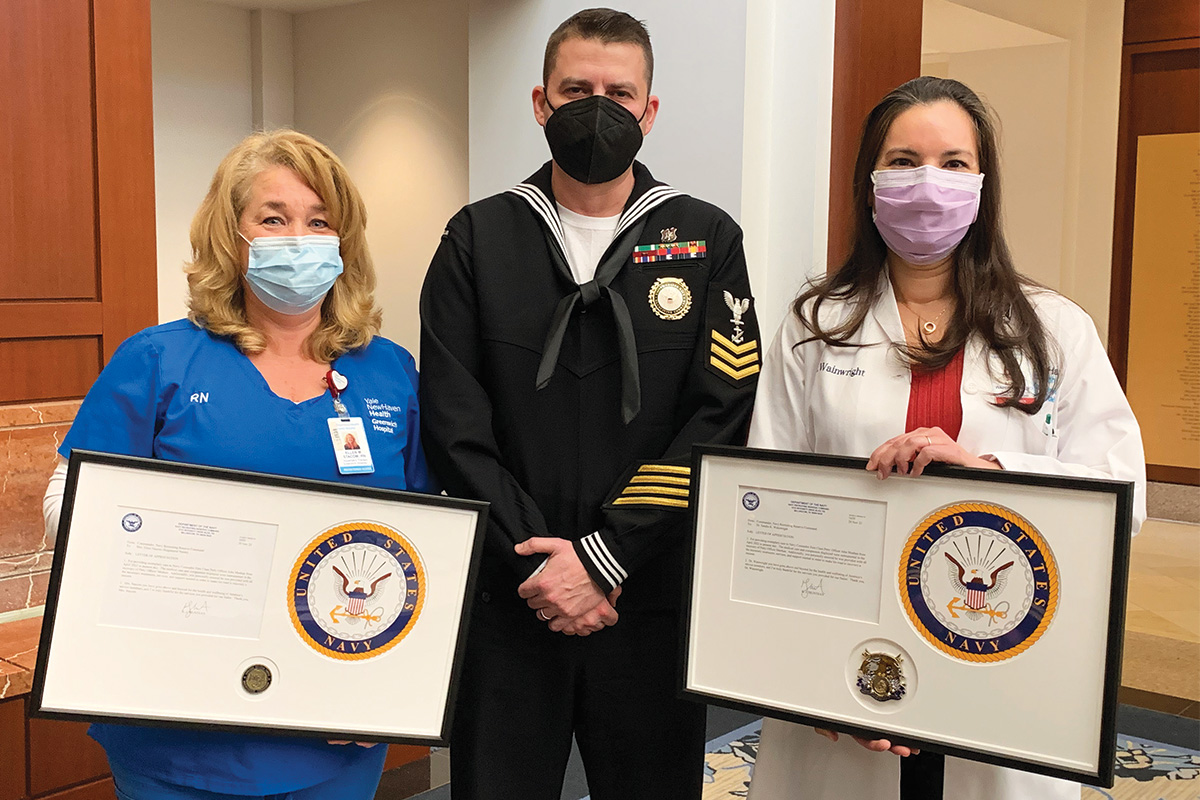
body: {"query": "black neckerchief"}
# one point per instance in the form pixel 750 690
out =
pixel 647 194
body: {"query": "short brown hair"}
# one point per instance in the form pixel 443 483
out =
pixel 605 25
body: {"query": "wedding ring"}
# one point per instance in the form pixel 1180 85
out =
pixel 541 614
pixel 928 440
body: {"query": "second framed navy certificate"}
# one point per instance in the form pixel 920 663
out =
pixel 977 613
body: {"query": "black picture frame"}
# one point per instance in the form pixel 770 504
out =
pixel 51 613
pixel 1123 493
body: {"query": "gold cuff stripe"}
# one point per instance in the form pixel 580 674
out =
pixel 650 501
pixel 660 479
pixel 655 490
pixel 736 374
pixel 668 468
pixel 737 349
pixel 732 360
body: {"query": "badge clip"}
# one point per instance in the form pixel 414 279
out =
pixel 337 384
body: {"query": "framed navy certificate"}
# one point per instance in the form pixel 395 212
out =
pixel 200 597
pixel 975 613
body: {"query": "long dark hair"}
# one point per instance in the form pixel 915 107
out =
pixel 988 290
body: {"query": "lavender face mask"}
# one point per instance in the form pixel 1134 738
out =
pixel 923 213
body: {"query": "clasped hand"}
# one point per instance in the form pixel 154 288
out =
pixel 563 594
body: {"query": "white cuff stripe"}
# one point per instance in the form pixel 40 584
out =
pixel 611 559
pixel 589 547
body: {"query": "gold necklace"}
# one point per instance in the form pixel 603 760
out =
pixel 929 326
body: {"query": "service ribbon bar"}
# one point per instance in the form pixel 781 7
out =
pixel 675 251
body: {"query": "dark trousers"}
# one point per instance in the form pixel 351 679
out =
pixel 526 690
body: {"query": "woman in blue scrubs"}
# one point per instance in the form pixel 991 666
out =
pixel 280 347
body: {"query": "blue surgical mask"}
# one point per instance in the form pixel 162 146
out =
pixel 291 274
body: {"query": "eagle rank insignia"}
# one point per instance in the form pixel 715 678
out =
pixel 881 677
pixel 978 582
pixel 356 590
pixel 670 298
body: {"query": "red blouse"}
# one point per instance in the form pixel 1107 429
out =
pixel 935 399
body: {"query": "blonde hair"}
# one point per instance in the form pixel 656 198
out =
pixel 216 297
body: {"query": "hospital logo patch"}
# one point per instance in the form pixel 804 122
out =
pixel 978 582
pixel 356 590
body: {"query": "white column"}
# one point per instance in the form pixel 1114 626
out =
pixel 785 162
pixel 272 83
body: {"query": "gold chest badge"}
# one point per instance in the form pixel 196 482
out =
pixel 670 298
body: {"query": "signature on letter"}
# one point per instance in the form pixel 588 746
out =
pixel 192 608
pixel 810 589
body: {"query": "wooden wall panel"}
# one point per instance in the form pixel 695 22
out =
pixel 95 791
pixel 401 754
pixel 98 790
pixel 1160 93
pixel 47 195
pixel 125 168
pixel 877 47
pixel 48 369
pixel 36 319
pixel 77 254
pixel 1161 20
pixel 49 742
pixel 12 749
pixel 1149 73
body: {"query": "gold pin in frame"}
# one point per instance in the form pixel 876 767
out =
pixel 670 298
pixel 881 676
pixel 256 679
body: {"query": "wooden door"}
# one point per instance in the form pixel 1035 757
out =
pixel 77 254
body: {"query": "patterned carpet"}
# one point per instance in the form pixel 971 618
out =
pixel 1146 770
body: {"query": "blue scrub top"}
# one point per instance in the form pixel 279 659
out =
pixel 179 393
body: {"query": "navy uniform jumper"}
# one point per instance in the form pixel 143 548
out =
pixel 658 352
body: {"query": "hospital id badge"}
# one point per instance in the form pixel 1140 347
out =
pixel 350 445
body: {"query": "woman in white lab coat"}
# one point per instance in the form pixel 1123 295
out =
pixel 928 345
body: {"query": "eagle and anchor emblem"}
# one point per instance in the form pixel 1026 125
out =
pixel 978 582
pixel 738 307
pixel 356 590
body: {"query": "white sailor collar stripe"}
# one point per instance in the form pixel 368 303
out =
pixel 542 206
pixel 643 205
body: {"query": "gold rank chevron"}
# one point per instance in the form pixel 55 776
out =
pixel 737 349
pixel 657 485
pixel 735 360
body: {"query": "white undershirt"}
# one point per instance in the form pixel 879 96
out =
pixel 586 238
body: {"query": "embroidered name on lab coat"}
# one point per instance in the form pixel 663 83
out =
pixel 856 372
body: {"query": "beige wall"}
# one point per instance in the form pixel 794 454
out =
pixel 1092 29
pixel 1028 88
pixel 202 107
pixel 384 83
